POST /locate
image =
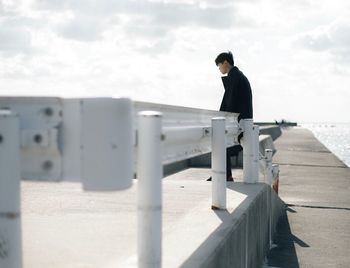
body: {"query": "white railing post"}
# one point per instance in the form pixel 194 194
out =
pixel 268 180
pixel 275 177
pixel 149 190
pixel 248 151
pixel 256 153
pixel 10 212
pixel 268 166
pixel 218 163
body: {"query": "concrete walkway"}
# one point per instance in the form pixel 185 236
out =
pixel 63 226
pixel 315 185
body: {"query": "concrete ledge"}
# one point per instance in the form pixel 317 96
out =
pixel 273 130
pixel 242 238
pixel 266 142
pixel 97 229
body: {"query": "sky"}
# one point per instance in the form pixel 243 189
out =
pixel 296 54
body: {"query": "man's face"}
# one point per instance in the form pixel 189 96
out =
pixel 224 67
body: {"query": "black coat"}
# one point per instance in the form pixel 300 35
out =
pixel 238 94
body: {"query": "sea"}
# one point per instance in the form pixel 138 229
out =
pixel 335 136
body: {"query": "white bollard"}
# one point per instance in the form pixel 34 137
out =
pixel 268 167
pixel 218 163
pixel 106 144
pixel 269 212
pixel 275 177
pixel 10 212
pixel 149 189
pixel 268 180
pixel 248 151
pixel 256 153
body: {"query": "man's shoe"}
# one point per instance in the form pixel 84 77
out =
pixel 230 179
pixel 227 179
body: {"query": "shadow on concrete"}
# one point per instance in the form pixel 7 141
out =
pixel 227 220
pixel 284 253
pixel 223 215
pixel 291 210
pixel 226 223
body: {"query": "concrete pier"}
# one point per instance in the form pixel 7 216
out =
pixel 66 227
pixel 315 184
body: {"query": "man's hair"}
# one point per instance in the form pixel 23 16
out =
pixel 225 56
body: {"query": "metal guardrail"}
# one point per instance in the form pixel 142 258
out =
pixel 100 141
pixel 187 131
pixel 51 132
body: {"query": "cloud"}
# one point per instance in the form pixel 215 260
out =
pixel 176 15
pixel 158 15
pixel 14 40
pixel 333 38
pixel 145 26
pixel 159 46
pixel 81 28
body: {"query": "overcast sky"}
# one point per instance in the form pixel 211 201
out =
pixel 296 54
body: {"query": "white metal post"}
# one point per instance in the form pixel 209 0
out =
pixel 268 167
pixel 275 177
pixel 269 211
pixel 218 163
pixel 268 180
pixel 248 151
pixel 10 212
pixel 256 153
pixel 149 190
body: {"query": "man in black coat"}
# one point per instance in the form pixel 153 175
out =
pixel 237 98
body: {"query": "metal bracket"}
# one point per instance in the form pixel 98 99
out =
pixel 40 123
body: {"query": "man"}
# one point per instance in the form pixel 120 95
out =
pixel 237 98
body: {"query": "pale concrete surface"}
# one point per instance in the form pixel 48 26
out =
pixel 66 227
pixel 315 230
pixel 272 130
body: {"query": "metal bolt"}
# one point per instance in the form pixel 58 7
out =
pixel 47 165
pixel 48 111
pixel 38 138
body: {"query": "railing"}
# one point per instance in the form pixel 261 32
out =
pixel 57 139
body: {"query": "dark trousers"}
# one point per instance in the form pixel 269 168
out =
pixel 231 151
